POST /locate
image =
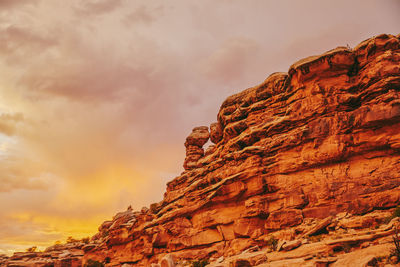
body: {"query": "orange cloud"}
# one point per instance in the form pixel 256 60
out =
pixel 98 97
pixel 9 123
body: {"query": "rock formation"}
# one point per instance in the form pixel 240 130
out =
pixel 319 140
pixel 194 146
pixel 59 255
pixel 303 153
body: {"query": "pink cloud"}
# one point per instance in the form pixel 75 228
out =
pixel 97 7
pixel 17 43
pixel 229 61
pixel 6 4
pixel 143 15
pixel 115 87
pixel 14 177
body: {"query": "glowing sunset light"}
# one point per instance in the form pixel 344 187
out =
pixel 97 97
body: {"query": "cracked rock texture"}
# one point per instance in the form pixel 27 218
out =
pixel 322 139
pixel 309 144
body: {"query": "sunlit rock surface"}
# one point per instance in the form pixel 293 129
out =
pixel 290 156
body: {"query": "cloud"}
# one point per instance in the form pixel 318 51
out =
pixel 230 60
pixel 97 7
pixel 143 15
pixel 23 229
pixel 98 96
pixel 14 176
pixel 13 179
pixel 17 43
pixel 9 123
pixel 5 4
pixel 73 80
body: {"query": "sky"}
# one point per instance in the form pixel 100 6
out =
pixel 97 97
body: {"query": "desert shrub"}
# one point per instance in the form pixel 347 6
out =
pixel 346 247
pixel 315 238
pixel 93 263
pixel 31 249
pixel 396 241
pixel 199 263
pixel 153 208
pixel 70 239
pixel 319 255
pixel 272 243
pixel 104 233
pixel 396 213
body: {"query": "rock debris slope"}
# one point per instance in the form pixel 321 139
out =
pixel 320 140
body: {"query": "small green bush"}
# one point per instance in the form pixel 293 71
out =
pixel 346 247
pixel 315 238
pixel 396 241
pixel 272 243
pixel 70 239
pixel 396 213
pixel 153 208
pixel 199 263
pixel 93 263
pixel 104 234
pixel 31 249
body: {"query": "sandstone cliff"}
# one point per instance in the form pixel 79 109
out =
pixel 319 142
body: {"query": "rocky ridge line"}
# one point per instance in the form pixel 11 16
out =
pixel 316 142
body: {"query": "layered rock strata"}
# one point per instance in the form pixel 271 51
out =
pixel 322 139
pixel 194 146
pixel 302 146
pixel 59 255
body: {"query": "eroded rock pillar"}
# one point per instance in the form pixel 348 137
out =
pixel 194 146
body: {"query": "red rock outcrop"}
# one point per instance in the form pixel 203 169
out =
pixel 69 254
pixel 322 139
pixel 314 143
pixel 194 146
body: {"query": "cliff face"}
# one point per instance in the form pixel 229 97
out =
pixel 319 140
pixel 322 139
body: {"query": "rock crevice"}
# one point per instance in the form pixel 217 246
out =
pixel 309 144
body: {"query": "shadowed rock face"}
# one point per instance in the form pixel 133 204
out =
pixel 321 139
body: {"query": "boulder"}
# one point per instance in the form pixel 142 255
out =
pixel 319 227
pixel 167 261
pixel 198 137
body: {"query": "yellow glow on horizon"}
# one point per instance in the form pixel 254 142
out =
pixel 58 225
pixel 101 186
pixel 77 210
